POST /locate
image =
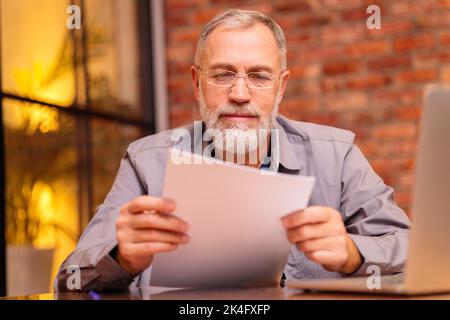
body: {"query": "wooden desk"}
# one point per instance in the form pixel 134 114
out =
pixel 253 293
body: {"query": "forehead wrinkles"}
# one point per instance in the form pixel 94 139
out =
pixel 253 45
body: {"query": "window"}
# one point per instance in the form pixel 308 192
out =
pixel 71 101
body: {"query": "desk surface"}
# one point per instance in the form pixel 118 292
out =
pixel 253 293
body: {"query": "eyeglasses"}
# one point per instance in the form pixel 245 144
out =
pixel 227 78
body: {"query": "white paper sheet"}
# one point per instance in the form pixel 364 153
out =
pixel 234 212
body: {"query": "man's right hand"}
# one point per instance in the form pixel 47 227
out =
pixel 146 226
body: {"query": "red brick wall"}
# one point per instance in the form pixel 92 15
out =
pixel 344 75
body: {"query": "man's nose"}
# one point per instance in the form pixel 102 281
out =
pixel 239 92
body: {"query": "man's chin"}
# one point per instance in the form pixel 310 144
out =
pixel 226 124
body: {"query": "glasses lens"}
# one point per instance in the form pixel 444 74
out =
pixel 260 79
pixel 222 77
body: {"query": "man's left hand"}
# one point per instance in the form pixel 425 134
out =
pixel 320 234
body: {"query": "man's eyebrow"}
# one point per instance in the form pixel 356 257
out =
pixel 221 65
pixel 260 67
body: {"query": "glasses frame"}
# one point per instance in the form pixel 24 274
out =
pixel 243 75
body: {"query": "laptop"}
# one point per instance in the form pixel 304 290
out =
pixel 427 267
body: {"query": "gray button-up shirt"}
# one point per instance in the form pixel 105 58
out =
pixel 345 181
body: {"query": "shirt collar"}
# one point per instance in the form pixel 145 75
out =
pixel 282 152
pixel 287 157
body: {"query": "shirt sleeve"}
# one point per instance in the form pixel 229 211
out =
pixel 378 227
pixel 93 254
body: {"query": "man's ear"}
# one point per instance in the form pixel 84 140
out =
pixel 195 81
pixel 284 80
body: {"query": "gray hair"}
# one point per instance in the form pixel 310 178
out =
pixel 237 18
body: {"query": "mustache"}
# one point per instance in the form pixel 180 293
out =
pixel 246 109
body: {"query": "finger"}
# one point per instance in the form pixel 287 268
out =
pixel 151 235
pixel 322 244
pixel 309 215
pixel 147 203
pixel 147 248
pixel 312 231
pixel 158 221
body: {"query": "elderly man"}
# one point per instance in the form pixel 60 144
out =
pixel 239 79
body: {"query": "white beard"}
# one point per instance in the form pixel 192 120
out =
pixel 238 138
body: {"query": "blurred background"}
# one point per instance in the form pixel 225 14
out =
pixel 72 100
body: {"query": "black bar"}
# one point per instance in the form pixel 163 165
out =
pixel 77 111
pixel 83 216
pixel 2 189
pixel 146 87
pixel 83 132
